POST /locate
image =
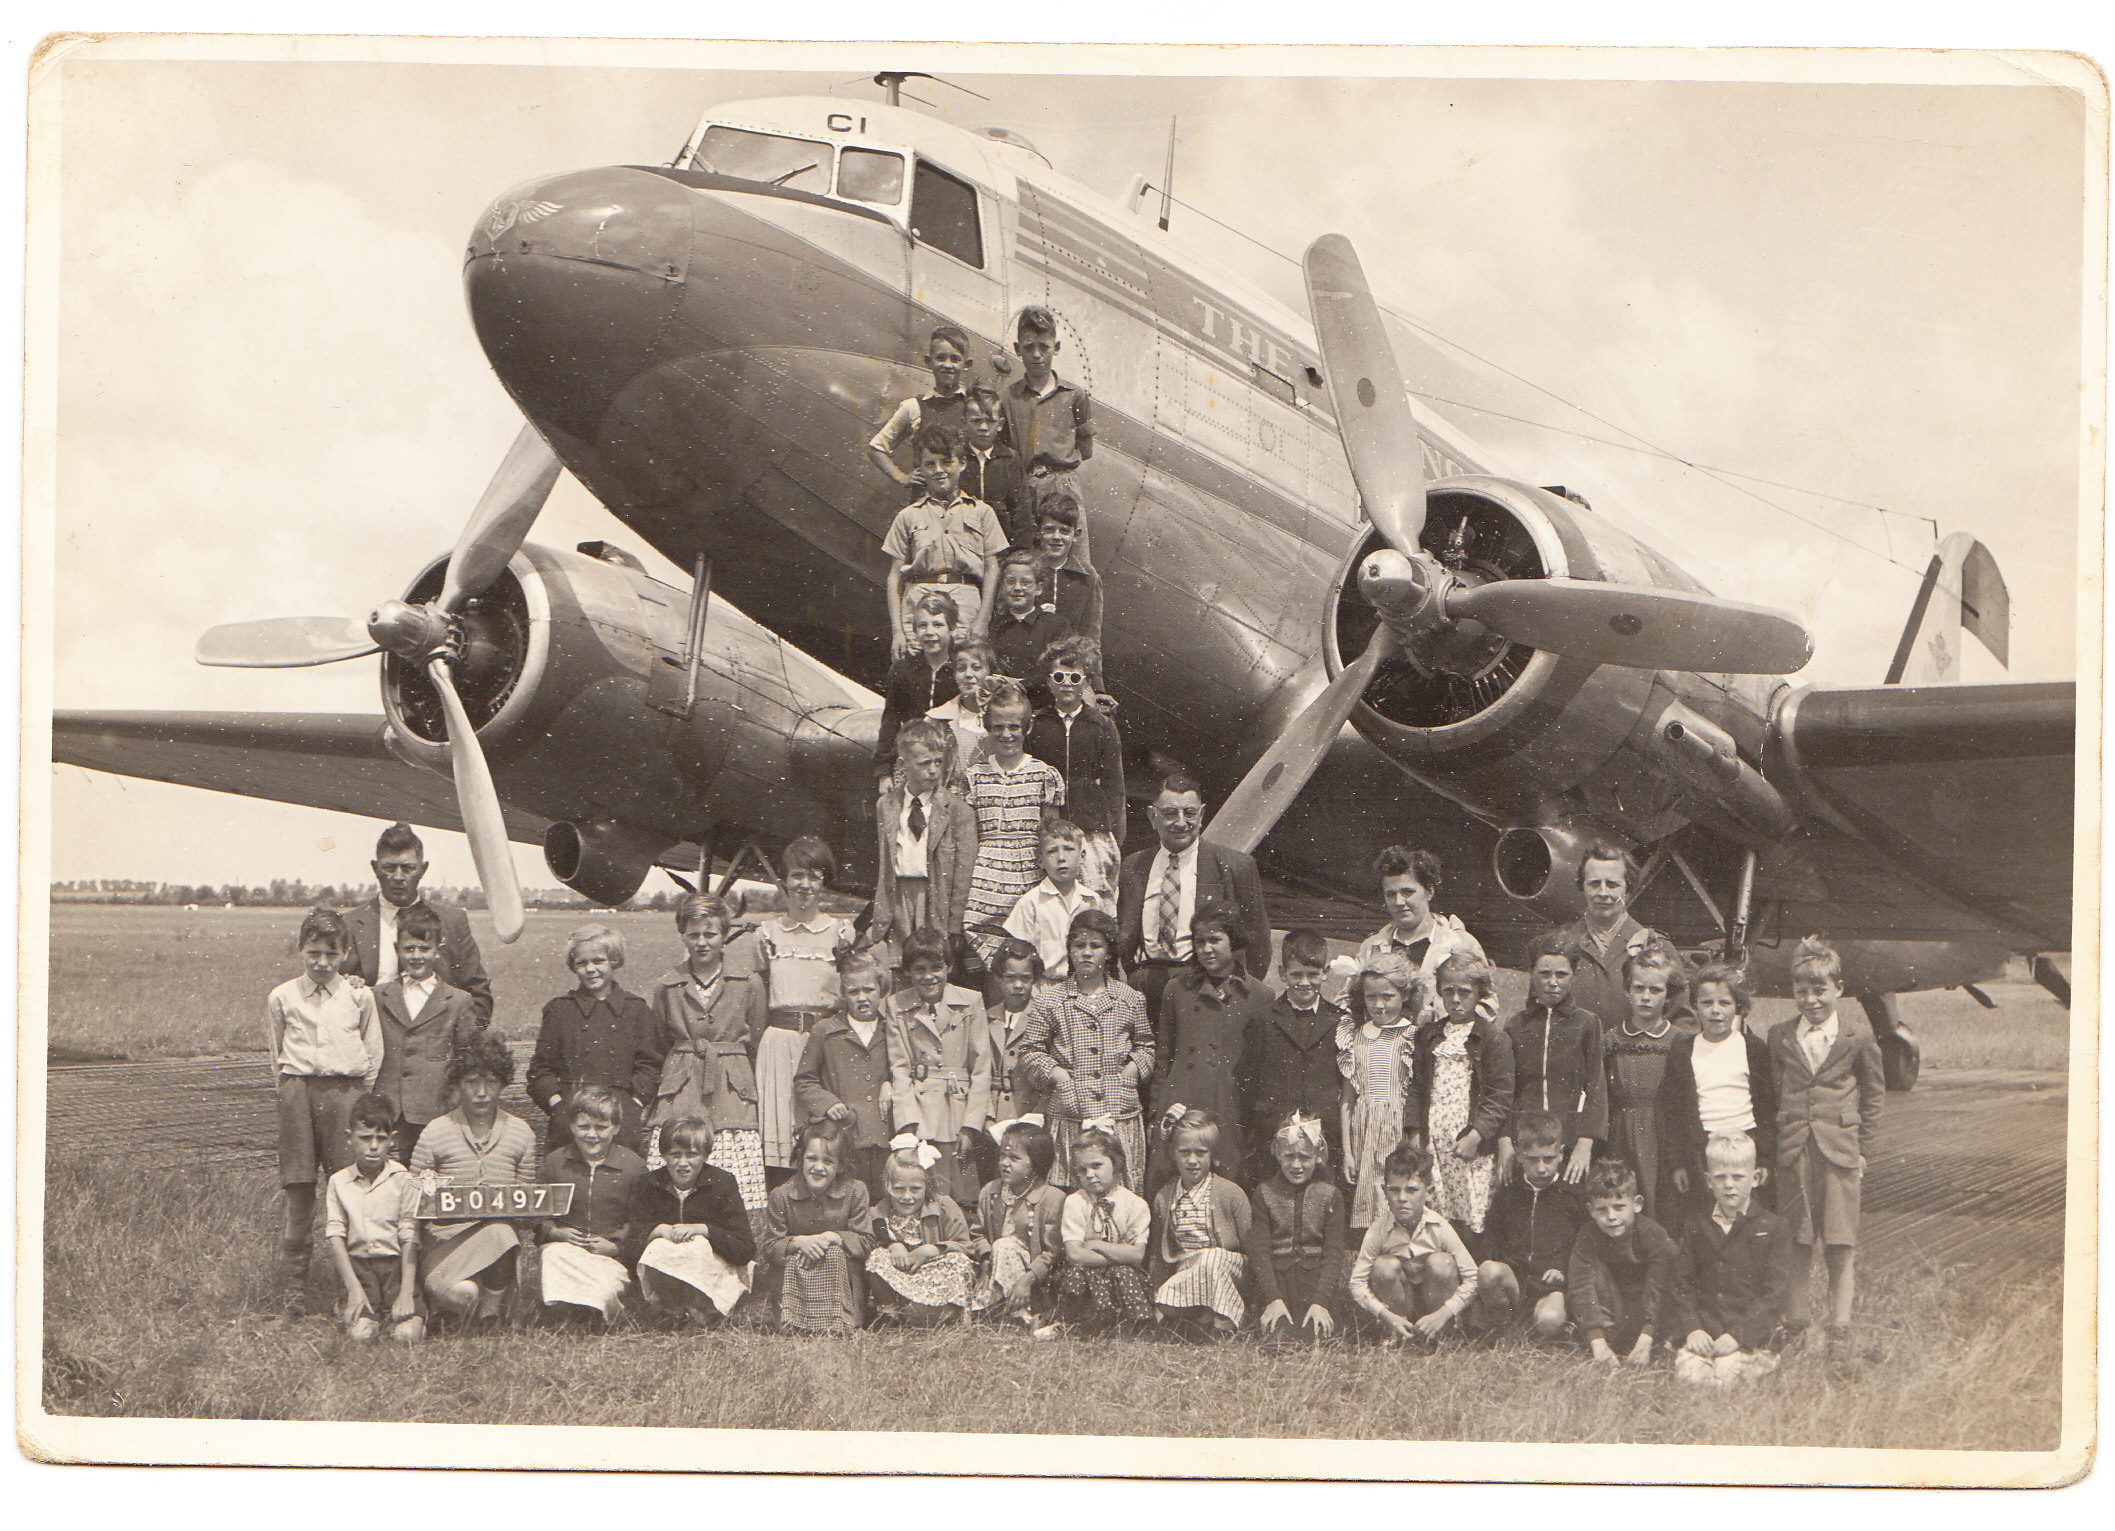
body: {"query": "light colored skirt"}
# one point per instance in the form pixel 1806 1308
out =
pixel 1009 1263
pixel 465 1253
pixel 1207 1278
pixel 778 1053
pixel 582 1279
pixel 1372 1128
pixel 668 1265
pixel 939 1283
pixel 1723 1371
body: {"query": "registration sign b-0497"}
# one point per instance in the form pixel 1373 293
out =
pixel 458 1203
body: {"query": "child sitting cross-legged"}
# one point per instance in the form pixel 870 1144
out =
pixel 1202 1222
pixel 467 1268
pixel 369 1225
pixel 1106 1228
pixel 1733 1276
pixel 1529 1233
pixel 1621 1273
pixel 688 1235
pixel 1020 1220
pixel 1300 1240
pixel 579 1263
pixel 815 1233
pixel 919 1270
pixel 1412 1271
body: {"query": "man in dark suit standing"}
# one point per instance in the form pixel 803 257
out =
pixel 1158 890
pixel 399 864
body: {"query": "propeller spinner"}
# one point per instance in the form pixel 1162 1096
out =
pixel 430 636
pixel 1439 619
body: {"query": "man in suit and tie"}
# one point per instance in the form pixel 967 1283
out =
pixel 399 864
pixel 1830 1086
pixel 1158 890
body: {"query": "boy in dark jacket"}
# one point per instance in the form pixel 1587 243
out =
pixel 1557 1064
pixel 1733 1275
pixel 1289 1062
pixel 1621 1275
pixel 1719 1081
pixel 1529 1233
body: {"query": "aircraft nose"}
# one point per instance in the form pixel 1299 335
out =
pixel 571 280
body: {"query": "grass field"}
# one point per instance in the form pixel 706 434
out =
pixel 161 1296
pixel 159 1303
pixel 204 975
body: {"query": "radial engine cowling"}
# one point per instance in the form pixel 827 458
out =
pixel 1540 866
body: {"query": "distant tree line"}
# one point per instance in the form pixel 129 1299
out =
pixel 286 893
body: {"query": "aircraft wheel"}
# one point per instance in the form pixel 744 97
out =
pixel 1901 1058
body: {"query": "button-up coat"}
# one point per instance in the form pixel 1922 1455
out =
pixel 939 1063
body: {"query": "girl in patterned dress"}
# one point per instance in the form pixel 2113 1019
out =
pixel 1461 1079
pixel 1020 1217
pixel 1203 1222
pixel 1013 794
pixel 1106 1228
pixel 798 952
pixel 919 1270
pixel 1089 1049
pixel 708 1020
pixel 1373 1053
pixel 815 1234
pixel 1636 1052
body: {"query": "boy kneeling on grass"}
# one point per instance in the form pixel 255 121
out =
pixel 370 1211
pixel 1412 1271
pixel 1621 1276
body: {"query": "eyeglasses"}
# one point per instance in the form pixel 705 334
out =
pixel 1186 815
pixel 1067 677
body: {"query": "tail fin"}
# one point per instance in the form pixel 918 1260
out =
pixel 1963 592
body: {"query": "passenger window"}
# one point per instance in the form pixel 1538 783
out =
pixel 868 175
pixel 944 215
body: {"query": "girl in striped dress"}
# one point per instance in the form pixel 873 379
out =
pixel 1203 1226
pixel 1637 1052
pixel 1014 795
pixel 1374 1056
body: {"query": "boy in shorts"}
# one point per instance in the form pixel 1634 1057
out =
pixel 1829 1092
pixel 943 541
pixel 370 1211
pixel 1412 1271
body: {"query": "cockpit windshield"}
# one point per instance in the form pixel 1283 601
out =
pixel 767 158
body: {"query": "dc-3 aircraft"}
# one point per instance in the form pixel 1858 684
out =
pixel 1287 547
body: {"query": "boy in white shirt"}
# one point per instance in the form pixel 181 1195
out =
pixel 1043 915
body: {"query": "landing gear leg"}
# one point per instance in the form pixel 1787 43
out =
pixel 1901 1055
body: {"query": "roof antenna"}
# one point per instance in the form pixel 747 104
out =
pixel 891 83
pixel 1167 179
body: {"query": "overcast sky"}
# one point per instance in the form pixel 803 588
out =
pixel 271 400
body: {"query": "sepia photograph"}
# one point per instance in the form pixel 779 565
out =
pixel 1062 760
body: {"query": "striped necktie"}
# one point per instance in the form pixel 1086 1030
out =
pixel 1170 903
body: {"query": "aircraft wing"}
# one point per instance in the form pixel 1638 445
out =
pixel 1967 788
pixel 338 761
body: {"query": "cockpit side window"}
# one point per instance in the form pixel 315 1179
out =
pixel 767 158
pixel 869 175
pixel 944 215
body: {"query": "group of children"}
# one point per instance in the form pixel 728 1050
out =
pixel 994 715
pixel 791 1128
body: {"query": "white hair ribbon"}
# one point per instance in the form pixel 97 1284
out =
pixel 910 1143
pixel 1302 1128
pixel 1099 1124
pixel 1031 1119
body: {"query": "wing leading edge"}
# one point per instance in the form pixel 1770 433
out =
pixel 1967 788
pixel 337 761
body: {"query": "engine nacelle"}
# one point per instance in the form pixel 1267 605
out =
pixel 603 861
pixel 1540 866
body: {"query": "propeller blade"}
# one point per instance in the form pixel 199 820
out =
pixel 505 512
pixel 283 643
pixel 1274 781
pixel 1637 626
pixel 483 820
pixel 1373 412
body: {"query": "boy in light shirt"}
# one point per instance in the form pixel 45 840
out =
pixel 1043 915
pixel 370 1211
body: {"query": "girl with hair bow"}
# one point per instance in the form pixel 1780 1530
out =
pixel 1299 1235
pixel 919 1271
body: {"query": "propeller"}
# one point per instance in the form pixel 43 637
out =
pixel 1440 619
pixel 430 636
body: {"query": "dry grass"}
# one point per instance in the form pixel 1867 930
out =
pixel 159 1296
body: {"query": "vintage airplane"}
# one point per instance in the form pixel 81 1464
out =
pixel 1287 547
